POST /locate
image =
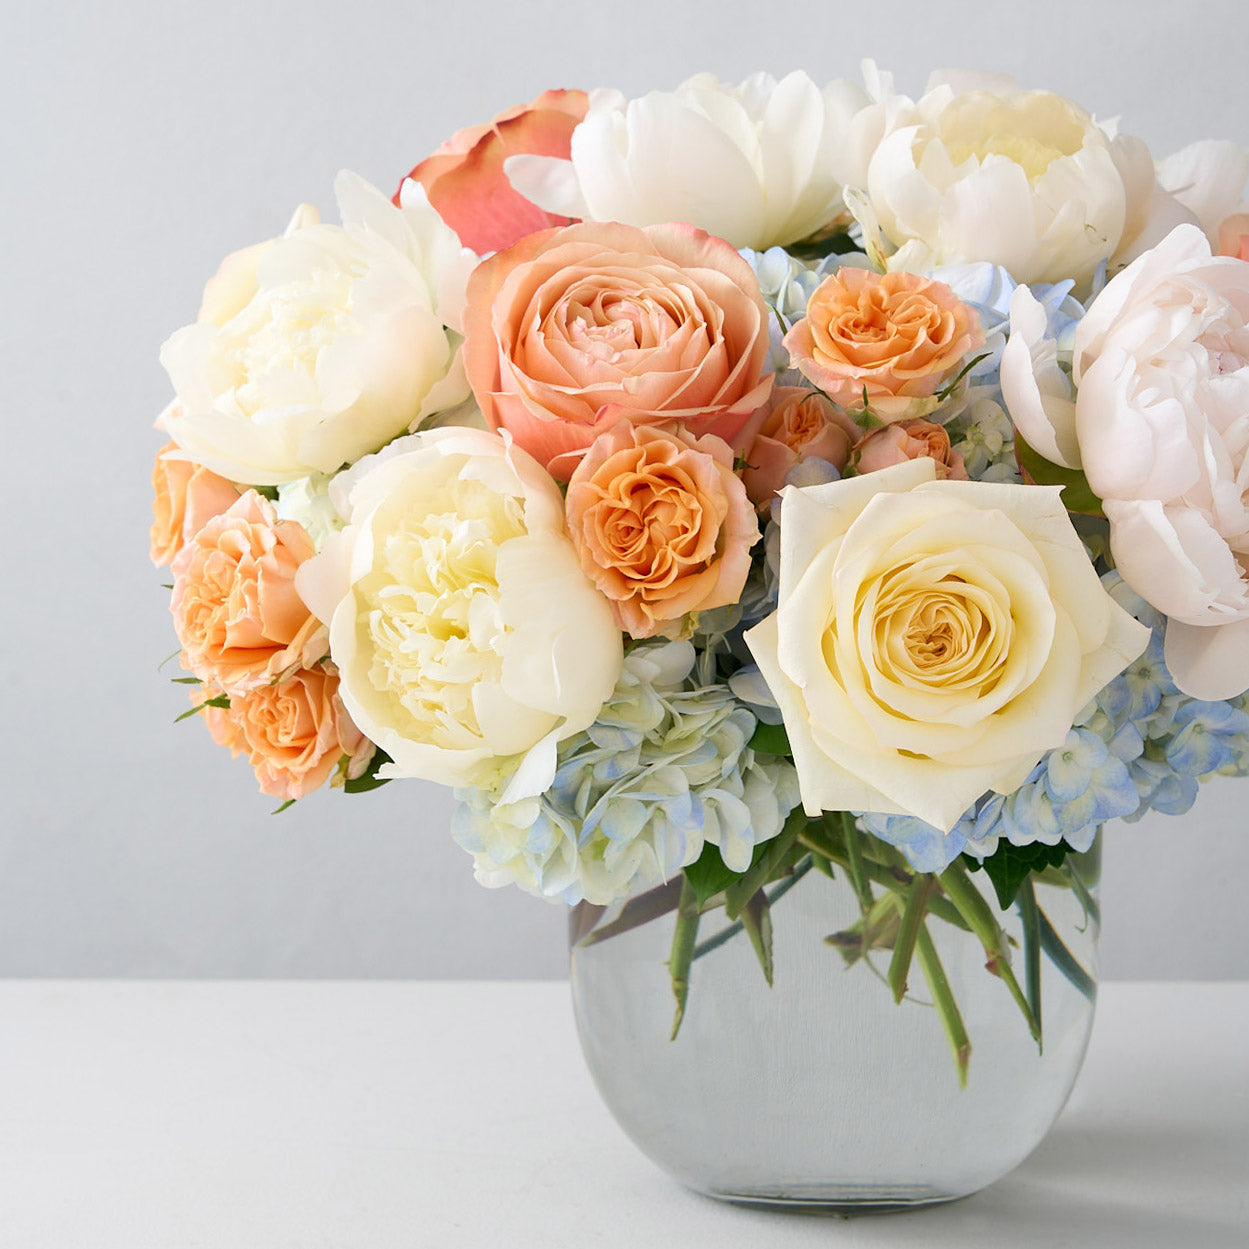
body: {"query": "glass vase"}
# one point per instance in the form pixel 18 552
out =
pixel 820 1088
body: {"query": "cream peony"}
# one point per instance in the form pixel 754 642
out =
pixel 979 170
pixel 463 628
pixel 758 163
pixel 1156 412
pixel 318 347
pixel 932 639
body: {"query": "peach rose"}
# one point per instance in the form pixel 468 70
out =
pixel 235 608
pixel 897 336
pixel 571 330
pixel 662 524
pixel 185 497
pixel 295 733
pixel 909 440
pixel 799 424
pixel 1234 236
pixel 464 178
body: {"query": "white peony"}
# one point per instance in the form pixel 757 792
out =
pixel 463 628
pixel 1156 413
pixel 979 170
pixel 319 347
pixel 758 163
pixel 932 639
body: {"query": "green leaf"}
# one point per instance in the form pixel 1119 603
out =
pixel 269 492
pixel 368 779
pixel 1077 494
pixel 1009 866
pixel 1063 959
pixel 1031 918
pixel 684 939
pixel 756 917
pixel 290 802
pixel 943 999
pixel 976 911
pixel 221 700
pixel 913 912
pixel 186 680
pixel 708 876
pixel 769 739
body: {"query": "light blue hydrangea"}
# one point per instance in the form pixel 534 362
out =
pixel 664 770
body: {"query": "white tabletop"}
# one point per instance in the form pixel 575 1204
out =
pixel 376 1115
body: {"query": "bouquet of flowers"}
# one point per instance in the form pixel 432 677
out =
pixel 733 482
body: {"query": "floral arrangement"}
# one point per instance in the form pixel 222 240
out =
pixel 733 481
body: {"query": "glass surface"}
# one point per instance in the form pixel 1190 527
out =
pixel 820 1089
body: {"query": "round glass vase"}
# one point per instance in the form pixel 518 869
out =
pixel 793 1075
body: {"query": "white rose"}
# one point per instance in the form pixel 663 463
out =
pixel 316 348
pixel 932 639
pixel 1156 412
pixel 757 163
pixel 979 170
pixel 463 628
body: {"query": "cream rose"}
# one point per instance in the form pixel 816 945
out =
pixel 321 346
pixel 932 639
pixel 1156 412
pixel 1049 171
pixel 461 623
pixel 758 163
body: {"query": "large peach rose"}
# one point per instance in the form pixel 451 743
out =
pixel 799 424
pixel 464 178
pixel 185 497
pixel 662 524
pixel 295 733
pixel 897 338
pixel 571 330
pixel 235 608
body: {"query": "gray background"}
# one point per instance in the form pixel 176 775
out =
pixel 144 141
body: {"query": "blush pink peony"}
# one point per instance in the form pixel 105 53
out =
pixel 571 330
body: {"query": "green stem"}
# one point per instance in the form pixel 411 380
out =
pixel 943 1000
pixel 1063 959
pixel 854 863
pixel 684 935
pixel 975 910
pixel 1030 915
pixel 756 918
pixel 913 911
pixel 727 933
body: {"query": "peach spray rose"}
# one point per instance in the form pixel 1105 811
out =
pixel 662 524
pixel 235 608
pixel 896 337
